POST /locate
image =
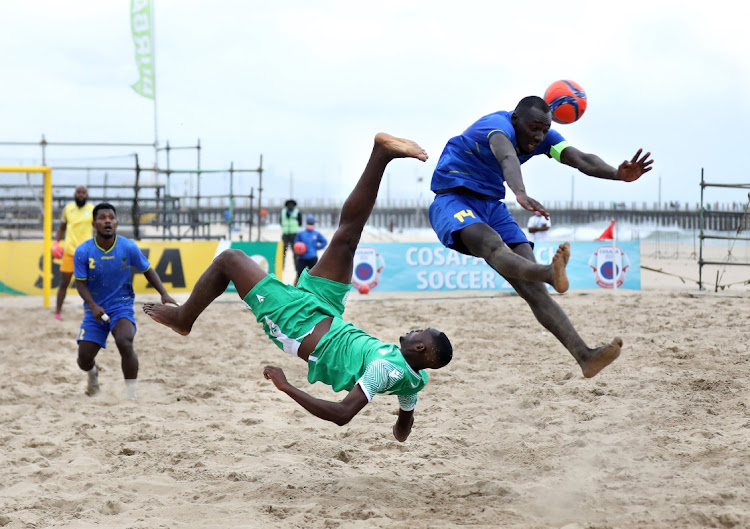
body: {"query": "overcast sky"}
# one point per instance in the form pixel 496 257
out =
pixel 308 84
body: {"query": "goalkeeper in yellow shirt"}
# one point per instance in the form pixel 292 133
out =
pixel 75 227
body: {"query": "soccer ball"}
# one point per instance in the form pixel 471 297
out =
pixel 300 247
pixel 364 289
pixel 566 100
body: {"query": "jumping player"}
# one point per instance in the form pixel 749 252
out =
pixel 468 214
pixel 305 320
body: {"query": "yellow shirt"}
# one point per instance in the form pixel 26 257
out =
pixel 78 227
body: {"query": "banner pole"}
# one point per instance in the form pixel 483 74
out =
pixel 614 259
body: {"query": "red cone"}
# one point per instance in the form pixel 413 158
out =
pixel 608 234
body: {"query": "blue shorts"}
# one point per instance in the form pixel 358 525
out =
pixel 450 213
pixel 93 330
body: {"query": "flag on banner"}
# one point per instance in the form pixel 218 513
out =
pixel 140 23
pixel 608 234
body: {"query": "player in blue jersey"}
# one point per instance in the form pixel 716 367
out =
pixel 305 321
pixel 468 214
pixel 104 280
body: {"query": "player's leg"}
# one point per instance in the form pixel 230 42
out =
pixel 124 333
pixel 65 278
pixel 554 319
pixel 229 265
pixel 299 265
pixel 67 266
pixel 87 352
pixel 287 240
pixel 336 263
pixel 483 241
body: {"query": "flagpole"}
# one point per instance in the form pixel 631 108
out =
pixel 156 127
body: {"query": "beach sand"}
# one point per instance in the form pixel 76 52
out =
pixel 508 435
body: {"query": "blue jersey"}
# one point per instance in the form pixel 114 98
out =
pixel 467 160
pixel 107 272
pixel 313 240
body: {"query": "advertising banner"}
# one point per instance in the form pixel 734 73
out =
pixel 267 254
pixel 178 263
pixel 430 267
pixel 381 267
pixel 21 268
pixel 140 24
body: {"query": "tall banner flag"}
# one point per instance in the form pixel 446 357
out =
pixel 140 23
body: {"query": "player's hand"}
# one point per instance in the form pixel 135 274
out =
pixel 630 171
pixel 401 432
pixel 276 375
pixel 530 204
pixel 166 298
pixel 57 250
pixel 97 312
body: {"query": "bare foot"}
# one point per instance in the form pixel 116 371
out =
pixel 559 262
pixel 92 387
pixel 167 315
pixel 399 147
pixel 601 358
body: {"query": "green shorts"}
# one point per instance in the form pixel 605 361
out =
pixel 288 313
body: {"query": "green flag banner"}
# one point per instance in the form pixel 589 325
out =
pixel 140 23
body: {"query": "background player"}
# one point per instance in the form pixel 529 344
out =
pixel 306 320
pixel 468 215
pixel 313 241
pixel 103 278
pixel 75 227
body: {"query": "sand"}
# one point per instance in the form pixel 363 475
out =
pixel 508 435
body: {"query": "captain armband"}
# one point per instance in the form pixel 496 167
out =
pixel 557 150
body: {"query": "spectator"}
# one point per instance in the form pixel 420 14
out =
pixel 313 241
pixel 538 227
pixel 291 222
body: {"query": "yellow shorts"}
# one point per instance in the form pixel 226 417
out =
pixel 67 265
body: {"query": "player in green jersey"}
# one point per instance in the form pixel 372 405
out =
pixel 305 320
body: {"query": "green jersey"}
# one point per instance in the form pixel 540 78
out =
pixel 346 356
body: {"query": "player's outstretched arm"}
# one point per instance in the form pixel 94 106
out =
pixel 592 165
pixel 153 278
pixel 339 413
pixel 402 428
pixel 507 157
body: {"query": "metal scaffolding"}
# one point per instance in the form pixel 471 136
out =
pixel 702 236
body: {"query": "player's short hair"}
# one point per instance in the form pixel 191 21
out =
pixel 443 349
pixel 103 205
pixel 529 102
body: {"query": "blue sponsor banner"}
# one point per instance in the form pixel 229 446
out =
pixel 430 267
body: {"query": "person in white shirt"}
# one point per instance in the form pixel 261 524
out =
pixel 538 227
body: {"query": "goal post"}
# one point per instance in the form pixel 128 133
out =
pixel 47 222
